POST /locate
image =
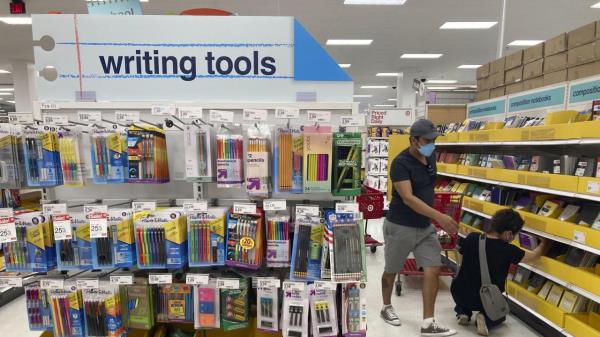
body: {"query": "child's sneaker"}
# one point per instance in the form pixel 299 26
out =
pixel 463 320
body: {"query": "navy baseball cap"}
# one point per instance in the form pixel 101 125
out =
pixel 424 128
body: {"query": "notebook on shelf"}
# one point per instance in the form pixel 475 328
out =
pixel 585 167
pixel 555 294
pixel 570 213
pixel 590 213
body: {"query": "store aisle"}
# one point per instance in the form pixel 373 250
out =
pixel 13 320
pixel 408 306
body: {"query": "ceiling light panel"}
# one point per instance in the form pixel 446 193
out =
pixel 7 89
pixel 4 71
pixel 384 105
pixel 525 42
pixel 16 20
pixel 388 74
pixel 441 88
pixel 374 87
pixel 5 93
pixel 375 2
pixel 469 66
pixel 468 25
pixel 421 56
pixel 344 65
pixel 362 96
pixel 596 5
pixel 441 81
pixel 348 42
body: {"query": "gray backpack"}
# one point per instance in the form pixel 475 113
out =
pixel 494 303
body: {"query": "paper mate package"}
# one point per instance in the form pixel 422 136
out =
pixel 206 237
pixel 67 311
pixel 103 311
pixel 39 313
pixel 109 154
pixel 161 238
pixel 34 249
pixel 41 155
pixel 117 250
pixel 76 253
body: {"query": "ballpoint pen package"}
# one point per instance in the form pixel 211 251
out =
pixel 206 306
pixel 147 161
pixel 67 311
pixel 287 160
pixel 175 303
pixel 323 311
pixel 103 311
pixel 42 158
pixel 206 237
pixel 258 182
pixel 346 249
pixel 76 252
pixel 33 249
pixel 117 249
pixel 354 309
pixel 294 320
pixel 109 154
pixel 235 307
pixel 39 313
pixel 199 147
pixel 317 159
pixel 69 142
pixel 267 309
pixel 307 248
pixel 347 154
pixel 161 238
pixel 278 238
pixel 12 174
pixel 245 240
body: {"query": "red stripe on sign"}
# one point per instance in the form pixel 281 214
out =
pixel 78 56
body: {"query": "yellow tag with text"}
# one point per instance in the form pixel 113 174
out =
pixel 35 236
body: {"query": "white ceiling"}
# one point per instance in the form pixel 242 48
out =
pixel 412 28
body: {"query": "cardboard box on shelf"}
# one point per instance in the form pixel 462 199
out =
pixel 533 83
pixel 497 66
pixel 583 54
pixel 496 80
pixel 555 45
pixel 555 77
pixel 497 92
pixel 533 53
pixel 555 63
pixel 483 84
pixel 483 71
pixel 533 69
pixel 514 88
pixel 582 35
pixel 584 70
pixel 482 95
pixel 513 60
pixel 513 75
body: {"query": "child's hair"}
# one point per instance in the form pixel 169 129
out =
pixel 507 220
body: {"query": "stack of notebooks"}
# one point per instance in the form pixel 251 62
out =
pixel 580 258
pixel 522 121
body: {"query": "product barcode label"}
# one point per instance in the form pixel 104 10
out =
pixel 579 237
pixel 89 116
pixel 196 206
pixel 52 283
pixel 284 112
pixel 10 281
pixel 197 279
pixel 346 208
pixel 192 112
pixel 163 110
pixel 160 278
pixel 56 120
pixel 319 116
pixel 255 115
pixel 221 116
pixel 244 208
pixel 121 279
pixel 87 209
pixel 20 118
pixel 325 285
pixel 228 283
pixel 274 205
pixel 62 227
pixel 49 106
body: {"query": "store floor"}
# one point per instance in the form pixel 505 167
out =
pixel 409 307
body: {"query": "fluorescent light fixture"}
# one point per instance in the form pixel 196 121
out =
pixel 421 56
pixel 13 102
pixel 520 43
pixel 16 20
pixel 374 87
pixel 4 71
pixel 344 65
pixel 441 88
pixel 97 0
pixel 392 99
pixel 348 42
pixel 441 81
pixel 7 89
pixel 374 2
pixel 468 25
pixel 5 93
pixel 362 96
pixel 465 90
pixel 469 66
pixel 384 105
pixel 596 5
pixel 388 74
pixel 1 98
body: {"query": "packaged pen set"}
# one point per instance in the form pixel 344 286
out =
pixel 69 142
pixel 33 249
pixel 174 303
pixel 103 311
pixel 12 174
pixel 317 159
pixel 294 320
pixel 207 306
pixel 354 309
pixel 76 252
pixel 117 249
pixel 39 313
pixel 323 311
pixel 230 158
pixel 67 311
pixel 347 247
pixel 287 160
pixel 257 161
pixel 138 304
pixel 347 154
pixel 42 157
pixel 161 238
pixel 278 238
pixel 235 307
pixel 147 161
pixel 245 235
pixel 109 154
pixel 307 249
pixel 199 146
pixel 267 311
pixel 206 237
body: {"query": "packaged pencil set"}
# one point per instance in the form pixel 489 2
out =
pixel 147 161
pixel 278 239
pixel 207 306
pixel 161 239
pixel 103 311
pixel 174 303
pixel 139 303
pixel 317 159
pixel 346 252
pixel 199 146
pixel 109 154
pixel 67 311
pixel 69 141
pixel 230 159
pixel 12 174
pixel 206 237
pixel 33 249
pixel 42 157
pixel 354 309
pixel 76 252
pixel 347 154
pixel 294 320
pixel 288 159
pixel 323 311
pixel 267 311
pixel 39 313
pixel 117 249
pixel 307 249
pixel 257 161
pixel 245 235
pixel 235 307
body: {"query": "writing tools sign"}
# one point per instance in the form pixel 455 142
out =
pixel 123 7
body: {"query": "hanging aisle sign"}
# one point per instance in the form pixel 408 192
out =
pixel 538 102
pixel 582 94
pixel 491 109
pixel 396 117
pixel 200 58
pixel 108 7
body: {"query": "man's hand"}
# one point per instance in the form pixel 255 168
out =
pixel 447 223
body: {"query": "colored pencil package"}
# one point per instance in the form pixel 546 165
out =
pixel 69 142
pixel 103 311
pixel 39 313
pixel 317 159
pixel 257 161
pixel 33 249
pixel 12 174
pixel 161 239
pixel 323 311
pixel 347 154
pixel 346 249
pixel 138 300
pixel 117 249
pixel 230 159
pixel 307 248
pixel 278 238
pixel 206 237
pixel 354 309
pixel 199 146
pixel 67 311
pixel 287 160
pixel 174 303
pixel 207 306
pixel 109 154
pixel 245 245
pixel 147 161
pixel 42 159
pixel 235 307
pixel 76 252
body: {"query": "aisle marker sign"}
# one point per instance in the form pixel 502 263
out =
pixel 255 115
pixel 8 230
pixel 221 116
pixel 538 103
pixel 487 108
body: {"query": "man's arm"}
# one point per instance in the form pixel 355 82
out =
pixel 404 189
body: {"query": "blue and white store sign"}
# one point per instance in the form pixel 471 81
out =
pixel 170 58
pixel 491 109
pixel 538 102
pixel 582 93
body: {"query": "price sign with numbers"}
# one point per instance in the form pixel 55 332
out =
pixel 255 115
pixel 139 206
pixel 8 230
pixel 62 227
pixel 10 281
pixel 56 120
pixel 284 112
pixel 197 279
pixel 52 283
pixel 325 285
pixel 228 283
pixel 352 120
pixel 294 286
pixel 274 205
pixel 164 110
pixel 127 117
pixel 346 208
pixel 192 112
pixel 121 279
pixel 196 206
pixel 267 282
pixel 20 118
pixel 52 209
pixel 244 208
pixel 87 284
pixel 319 116
pixel 307 210
pixel 89 116
pixel 49 106
pixel 221 116
pixel 160 278
pixel 98 225
pixel 87 209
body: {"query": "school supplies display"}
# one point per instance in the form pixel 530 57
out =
pixel 42 159
pixel 103 311
pixel 33 249
pixel 308 243
pixel 267 312
pixel 117 249
pixel 139 302
pixel 278 238
pixel 147 155
pixel 109 154
pixel 67 311
pixel 257 161
pixel 317 159
pixel 294 320
pixel 206 306
pixel 160 238
pixel 288 160
pixel 206 237
pixel 346 252
pixel 245 235
pixel 76 253
pixel 39 313
pixel 199 147
pixel 230 164
pixel 354 309
pixel 11 157
pixel 69 140
pixel 347 154
pixel 323 311
pixel 174 303
pixel 235 307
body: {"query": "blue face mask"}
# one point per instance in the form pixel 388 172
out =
pixel 427 150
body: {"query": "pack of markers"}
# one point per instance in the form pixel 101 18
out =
pixel 33 249
pixel 346 250
pixel 76 252
pixel 206 237
pixel 117 249
pixel 109 154
pixel 307 248
pixel 161 238
pixel 245 240
pixel 41 156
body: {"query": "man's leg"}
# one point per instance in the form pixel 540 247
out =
pixel 430 290
pixel 387 287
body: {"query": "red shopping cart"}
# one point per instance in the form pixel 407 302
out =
pixel 370 203
pixel 447 203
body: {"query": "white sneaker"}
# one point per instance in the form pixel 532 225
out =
pixel 482 328
pixel 463 320
pixel 436 330
pixel 389 315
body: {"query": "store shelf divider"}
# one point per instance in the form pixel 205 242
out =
pixel 583 324
pixel 538 304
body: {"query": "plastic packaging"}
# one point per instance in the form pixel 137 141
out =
pixel 117 249
pixel 147 161
pixel 230 162
pixel 307 249
pixel 294 320
pixel 206 237
pixel 199 147
pixel 161 239
pixel 76 253
pixel 103 311
pixel 288 159
pixel 267 311
pixel 245 235
pixel 278 239
pixel 34 249
pixel 323 311
pixel 206 306
pixel 42 159
pixel 109 154
pixel 69 141
pixel 258 182
pixel 317 159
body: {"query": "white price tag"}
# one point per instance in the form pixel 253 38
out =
pixel 197 279
pixel 49 106
pixel 139 206
pixel 62 227
pixel 52 283
pixel 325 285
pixel 255 115
pixel 274 205
pixel 160 278
pixel 20 118
pixel 164 110
pixel 579 237
pixel 244 208
pixel 87 209
pixel 228 283
pixel 196 206
pixel 121 279
pixel 593 187
pixel 89 116
pixel 52 209
pixel 221 116
pixel 98 225
pixel 294 286
pixel 267 282
pixel 287 113
pixel 56 120
pixel 127 117
pixel 8 230
pixel 307 210
pixel 87 284
pixel 352 120
pixel 346 208
pixel 192 112
pixel 319 116
pixel 10 281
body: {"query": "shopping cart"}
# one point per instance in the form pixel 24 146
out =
pixel 447 203
pixel 370 203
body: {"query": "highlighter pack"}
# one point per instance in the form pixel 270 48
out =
pixel 69 141
pixel 33 249
pixel 160 239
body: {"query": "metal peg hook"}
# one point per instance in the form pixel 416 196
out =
pixel 169 123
